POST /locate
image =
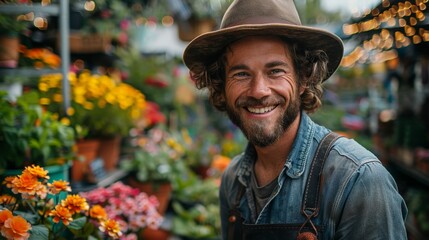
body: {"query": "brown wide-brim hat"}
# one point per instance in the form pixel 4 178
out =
pixel 262 17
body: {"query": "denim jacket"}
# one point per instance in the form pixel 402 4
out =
pixel 359 198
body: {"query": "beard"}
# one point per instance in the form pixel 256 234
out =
pixel 256 131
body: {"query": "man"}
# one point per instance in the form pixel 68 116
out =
pixel 265 70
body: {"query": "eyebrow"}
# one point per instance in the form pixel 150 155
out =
pixel 238 67
pixel 268 65
pixel 276 64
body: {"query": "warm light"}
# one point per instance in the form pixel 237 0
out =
pixel 417 39
pixel 40 23
pixel 89 6
pixel 167 21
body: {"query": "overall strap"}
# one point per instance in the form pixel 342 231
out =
pixel 234 220
pixel 310 203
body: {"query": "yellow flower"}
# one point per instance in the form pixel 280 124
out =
pixel 61 213
pixel 75 203
pixel 98 212
pixel 111 227
pixel 58 186
pixel 16 228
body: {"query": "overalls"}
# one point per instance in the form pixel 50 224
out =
pixel 310 207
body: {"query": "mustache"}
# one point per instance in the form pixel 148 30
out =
pixel 265 101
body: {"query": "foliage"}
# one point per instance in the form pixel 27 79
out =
pixel 37 210
pixel 134 210
pixel 30 135
pixel 13 23
pixel 151 75
pixel 205 9
pixel 196 208
pixel 105 107
pixel 417 200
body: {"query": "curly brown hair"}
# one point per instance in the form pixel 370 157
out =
pixel 310 66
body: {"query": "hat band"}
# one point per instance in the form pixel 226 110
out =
pixel 258 20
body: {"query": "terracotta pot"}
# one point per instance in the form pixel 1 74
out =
pixel 9 50
pixel 87 151
pixel 162 191
pixel 110 150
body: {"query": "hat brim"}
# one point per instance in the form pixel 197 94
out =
pixel 207 47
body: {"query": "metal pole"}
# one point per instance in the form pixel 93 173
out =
pixel 65 51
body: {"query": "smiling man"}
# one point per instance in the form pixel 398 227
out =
pixel 295 179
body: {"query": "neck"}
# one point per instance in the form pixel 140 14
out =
pixel 271 159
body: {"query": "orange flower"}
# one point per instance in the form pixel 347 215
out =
pixel 5 214
pixel 75 203
pixel 220 162
pixel 61 213
pixel 25 184
pixel 8 181
pixel 111 227
pixel 16 228
pixel 98 212
pixel 37 171
pixel 58 186
pixel 7 199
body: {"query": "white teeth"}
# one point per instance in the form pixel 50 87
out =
pixel 260 110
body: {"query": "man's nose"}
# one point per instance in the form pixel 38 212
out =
pixel 259 87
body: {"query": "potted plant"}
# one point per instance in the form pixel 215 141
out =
pixel 30 135
pixel 108 109
pixel 11 25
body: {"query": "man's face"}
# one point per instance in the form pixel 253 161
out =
pixel 261 90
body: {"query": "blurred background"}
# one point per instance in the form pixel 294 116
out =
pixel 110 73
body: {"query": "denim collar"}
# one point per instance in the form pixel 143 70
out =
pixel 297 159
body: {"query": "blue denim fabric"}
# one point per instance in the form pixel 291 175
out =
pixel 359 198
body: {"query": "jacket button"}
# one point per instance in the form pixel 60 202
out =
pixel 232 219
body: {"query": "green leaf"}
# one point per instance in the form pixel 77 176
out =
pixel 39 232
pixel 77 224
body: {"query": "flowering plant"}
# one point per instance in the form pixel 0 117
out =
pixel 38 58
pixel 107 108
pixel 157 157
pixel 39 209
pixel 132 209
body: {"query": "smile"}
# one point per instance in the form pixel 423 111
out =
pixel 260 110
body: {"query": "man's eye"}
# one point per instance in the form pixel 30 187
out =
pixel 240 74
pixel 276 71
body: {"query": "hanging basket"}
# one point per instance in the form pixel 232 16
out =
pixel 188 30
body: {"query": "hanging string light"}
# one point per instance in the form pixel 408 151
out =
pixel 392 26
